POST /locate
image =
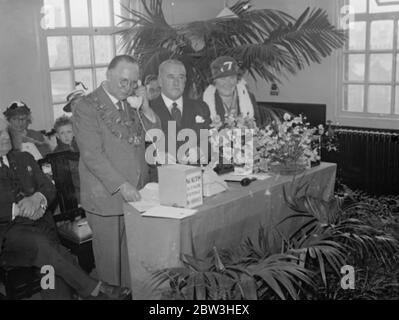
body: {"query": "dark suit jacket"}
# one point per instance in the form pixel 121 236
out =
pixel 31 179
pixel 191 109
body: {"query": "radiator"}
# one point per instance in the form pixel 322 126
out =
pixel 367 160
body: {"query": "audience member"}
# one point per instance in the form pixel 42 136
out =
pixel 66 142
pixel 65 136
pixel 19 116
pixel 27 233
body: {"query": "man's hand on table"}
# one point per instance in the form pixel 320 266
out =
pixel 129 193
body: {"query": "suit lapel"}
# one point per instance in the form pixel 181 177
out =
pixel 104 98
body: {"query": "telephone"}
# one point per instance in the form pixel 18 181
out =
pixel 136 101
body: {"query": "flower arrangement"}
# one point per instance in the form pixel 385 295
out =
pixel 288 144
pixel 232 141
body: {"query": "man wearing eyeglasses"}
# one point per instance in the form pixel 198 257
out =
pixel 111 137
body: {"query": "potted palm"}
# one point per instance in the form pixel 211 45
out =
pixel 268 44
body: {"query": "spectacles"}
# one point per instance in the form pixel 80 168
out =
pixel 128 83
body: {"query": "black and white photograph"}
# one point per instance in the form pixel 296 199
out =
pixel 197 156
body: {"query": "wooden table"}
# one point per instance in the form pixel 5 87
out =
pixel 224 221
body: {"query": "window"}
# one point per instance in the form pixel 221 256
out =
pixel 370 78
pixel 80 43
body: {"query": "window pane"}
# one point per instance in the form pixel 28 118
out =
pixel 81 50
pixel 79 13
pixel 58 112
pixel 397 100
pixel 383 6
pixel 357 35
pixel 397 68
pixel 381 67
pixel 85 76
pixel 354 98
pixel 53 14
pixel 100 75
pixel 119 11
pixel 58 52
pixel 103 50
pixel 359 6
pixel 118 45
pixel 381 34
pixel 355 66
pixel 60 85
pixel 101 13
pixel 379 99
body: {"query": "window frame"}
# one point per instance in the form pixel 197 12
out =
pixel 364 119
pixel 68 31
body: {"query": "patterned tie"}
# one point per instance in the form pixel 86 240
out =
pixel 176 114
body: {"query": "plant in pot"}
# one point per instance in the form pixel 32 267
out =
pixel 268 44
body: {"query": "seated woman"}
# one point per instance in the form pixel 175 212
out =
pixel 229 95
pixel 19 116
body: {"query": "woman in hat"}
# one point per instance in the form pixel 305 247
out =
pixel 229 95
pixel 19 116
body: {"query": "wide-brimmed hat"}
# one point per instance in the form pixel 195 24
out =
pixel 224 66
pixel 71 97
pixel 16 108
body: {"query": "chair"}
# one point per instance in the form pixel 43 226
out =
pixel 73 229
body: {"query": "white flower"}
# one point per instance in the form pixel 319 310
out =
pixel 287 116
pixel 199 119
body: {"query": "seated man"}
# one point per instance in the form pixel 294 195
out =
pixel 171 106
pixel 27 233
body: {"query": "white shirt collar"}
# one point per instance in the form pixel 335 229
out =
pixel 113 99
pixel 169 102
pixel 5 160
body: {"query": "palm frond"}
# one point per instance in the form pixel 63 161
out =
pixel 269 44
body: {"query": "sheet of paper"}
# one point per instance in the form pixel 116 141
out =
pixel 149 198
pixel 169 212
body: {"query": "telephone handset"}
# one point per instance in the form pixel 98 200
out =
pixel 136 101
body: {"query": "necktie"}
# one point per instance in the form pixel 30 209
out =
pixel 176 114
pixel 120 105
pixel 2 164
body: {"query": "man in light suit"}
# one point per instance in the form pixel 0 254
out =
pixel 110 134
pixel 171 105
